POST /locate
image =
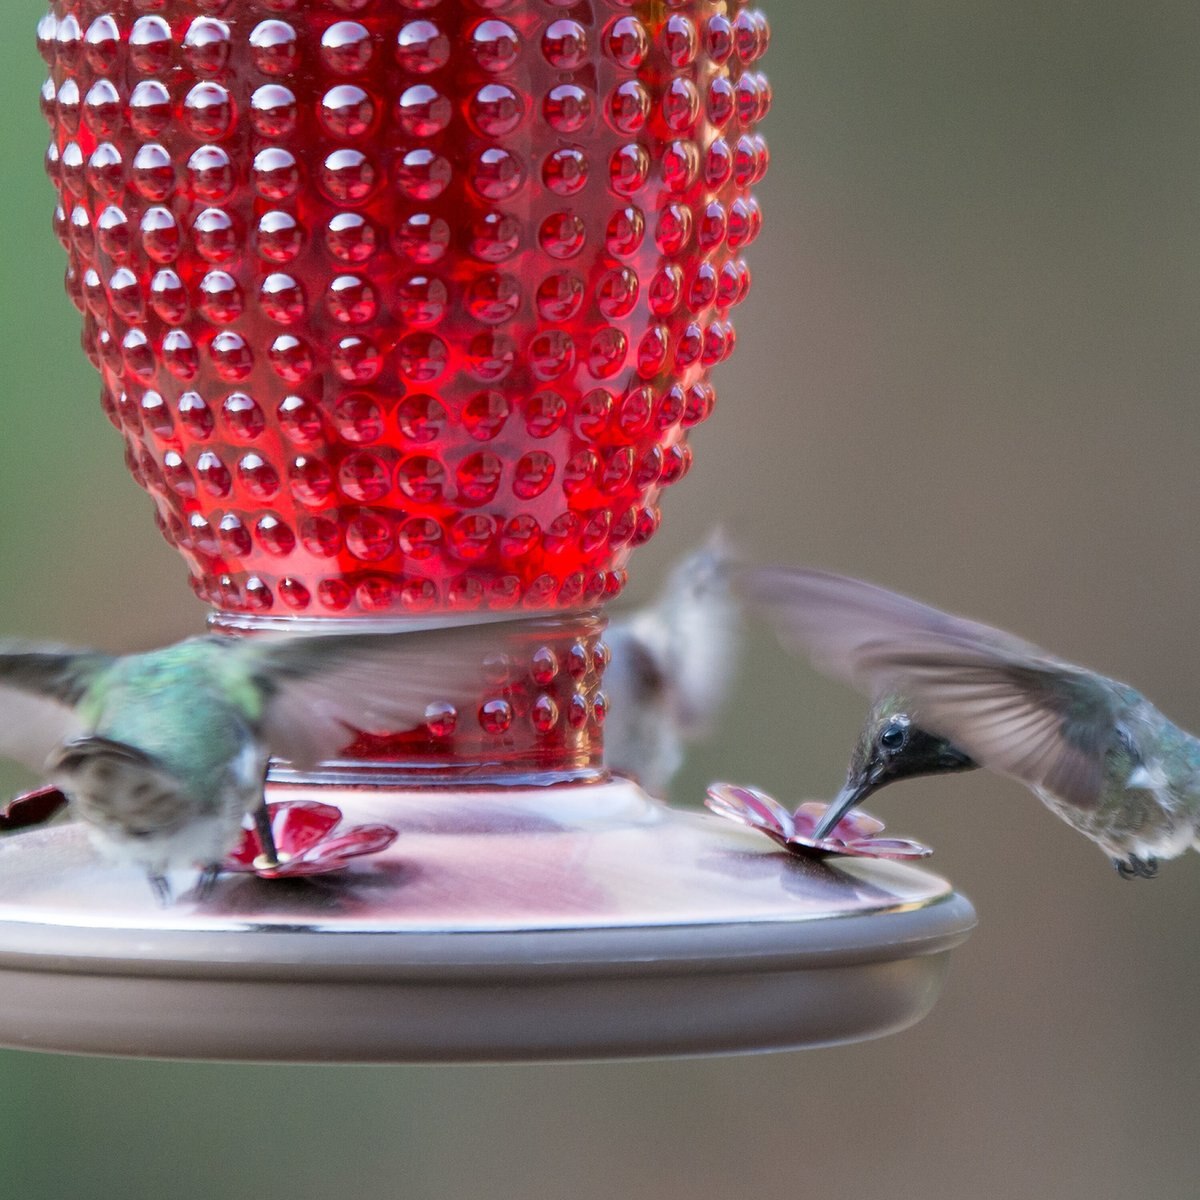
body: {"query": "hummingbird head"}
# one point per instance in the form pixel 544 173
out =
pixel 890 747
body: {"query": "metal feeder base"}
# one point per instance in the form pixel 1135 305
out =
pixel 576 922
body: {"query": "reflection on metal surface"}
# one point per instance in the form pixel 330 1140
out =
pixel 576 922
pixel 486 860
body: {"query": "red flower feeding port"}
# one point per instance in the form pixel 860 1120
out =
pixel 310 840
pixel 32 808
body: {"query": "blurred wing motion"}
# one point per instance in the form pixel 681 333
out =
pixel 319 689
pixel 39 688
pixel 672 665
pixel 694 633
pixel 1006 703
pixel 831 618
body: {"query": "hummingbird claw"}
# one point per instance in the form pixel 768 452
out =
pixel 207 881
pixel 1136 868
pixel 161 886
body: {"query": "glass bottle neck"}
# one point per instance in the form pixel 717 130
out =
pixel 537 719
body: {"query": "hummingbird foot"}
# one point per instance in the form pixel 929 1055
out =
pixel 1136 868
pixel 162 887
pixel 207 881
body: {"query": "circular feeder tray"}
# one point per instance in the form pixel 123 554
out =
pixel 570 922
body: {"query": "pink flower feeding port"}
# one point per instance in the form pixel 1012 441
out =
pixel 856 835
pixel 403 311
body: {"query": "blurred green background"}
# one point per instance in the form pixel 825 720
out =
pixel 968 370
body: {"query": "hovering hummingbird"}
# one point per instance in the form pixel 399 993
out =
pixel 949 694
pixel 671 667
pixel 163 754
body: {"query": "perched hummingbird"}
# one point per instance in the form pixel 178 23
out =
pixel 163 754
pixel 671 667
pixel 949 694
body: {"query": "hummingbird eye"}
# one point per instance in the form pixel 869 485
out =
pixel 893 736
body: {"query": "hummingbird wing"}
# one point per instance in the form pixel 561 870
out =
pixel 319 690
pixel 704 620
pixel 831 618
pixel 690 637
pixel 1013 708
pixel 40 687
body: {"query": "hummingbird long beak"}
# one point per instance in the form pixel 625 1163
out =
pixel 853 791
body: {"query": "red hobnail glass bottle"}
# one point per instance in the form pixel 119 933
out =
pixel 404 308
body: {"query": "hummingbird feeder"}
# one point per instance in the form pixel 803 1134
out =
pixel 403 311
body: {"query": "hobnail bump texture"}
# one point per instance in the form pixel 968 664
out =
pixel 405 306
pixel 538 715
